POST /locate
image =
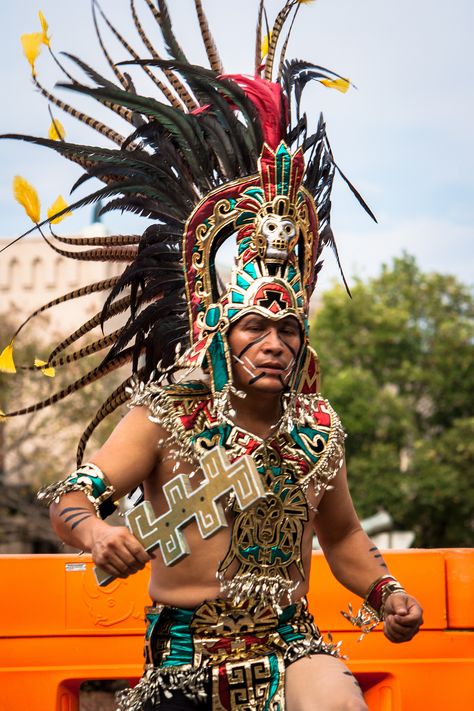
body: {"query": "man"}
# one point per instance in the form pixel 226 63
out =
pixel 133 456
pixel 230 156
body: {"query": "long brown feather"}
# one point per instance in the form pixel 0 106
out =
pixel 285 44
pixel 88 350
pixel 154 10
pixel 117 308
pixel 275 34
pixel 109 241
pixel 122 79
pixel 103 285
pixel 100 372
pixel 177 85
pixel 258 38
pixel 115 400
pixel 162 87
pixel 207 38
pixel 93 123
pixel 99 255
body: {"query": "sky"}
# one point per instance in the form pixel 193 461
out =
pixel 404 137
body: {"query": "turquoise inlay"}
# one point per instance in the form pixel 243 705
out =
pixel 232 312
pixel 297 286
pixel 278 555
pixel 223 431
pixel 250 269
pixel 216 353
pixel 275 680
pixel 285 628
pixel 309 432
pixel 243 244
pixel 151 619
pixel 98 485
pixel 291 272
pixel 242 282
pixel 212 317
pixel 254 192
pixel 251 551
pixel 283 163
pixel 245 218
pixel 236 298
pixel 181 641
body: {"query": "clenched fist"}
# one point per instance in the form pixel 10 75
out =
pixel 117 551
pixel 403 617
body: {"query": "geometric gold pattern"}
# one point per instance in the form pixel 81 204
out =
pixel 185 504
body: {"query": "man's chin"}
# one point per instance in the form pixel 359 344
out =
pixel 266 384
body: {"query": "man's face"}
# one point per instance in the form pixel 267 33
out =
pixel 264 352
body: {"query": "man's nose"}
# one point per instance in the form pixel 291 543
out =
pixel 273 341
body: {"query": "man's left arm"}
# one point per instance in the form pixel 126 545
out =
pixel 358 564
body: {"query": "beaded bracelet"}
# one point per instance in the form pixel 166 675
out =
pixel 372 610
pixel 89 479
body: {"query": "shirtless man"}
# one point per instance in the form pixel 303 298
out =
pixel 134 455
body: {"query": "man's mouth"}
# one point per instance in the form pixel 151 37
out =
pixel 277 367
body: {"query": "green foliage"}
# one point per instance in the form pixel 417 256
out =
pixel 396 361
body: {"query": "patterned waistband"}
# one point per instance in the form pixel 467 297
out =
pixel 238 651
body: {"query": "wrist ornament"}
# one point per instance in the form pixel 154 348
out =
pixel 372 610
pixel 89 479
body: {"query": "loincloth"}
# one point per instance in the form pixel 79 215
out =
pixel 235 655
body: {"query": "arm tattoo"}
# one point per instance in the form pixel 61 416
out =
pixel 377 555
pixel 75 512
pixel 76 523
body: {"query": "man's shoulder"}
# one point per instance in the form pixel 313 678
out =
pixel 171 404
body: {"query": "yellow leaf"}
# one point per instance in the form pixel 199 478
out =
pixel 44 26
pixel 56 131
pixel 27 196
pixel 58 205
pixel 7 364
pixel 32 47
pixel 265 44
pixel 3 417
pixel 339 84
pixel 49 371
pixel 305 2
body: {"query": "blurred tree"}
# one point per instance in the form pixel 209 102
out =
pixel 396 363
pixel 41 447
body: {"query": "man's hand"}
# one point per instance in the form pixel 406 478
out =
pixel 403 617
pixel 117 551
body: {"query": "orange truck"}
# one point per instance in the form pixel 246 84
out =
pixel 59 629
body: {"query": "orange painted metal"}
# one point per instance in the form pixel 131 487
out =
pixel 59 629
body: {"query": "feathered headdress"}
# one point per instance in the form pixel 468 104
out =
pixel 214 155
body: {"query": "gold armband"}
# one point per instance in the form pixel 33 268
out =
pixel 89 479
pixel 372 610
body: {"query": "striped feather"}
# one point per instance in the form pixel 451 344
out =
pixel 115 400
pixel 98 255
pixel 80 116
pixel 162 87
pixel 117 308
pixel 91 377
pixel 103 285
pixel 105 52
pixel 258 38
pixel 207 38
pixel 109 241
pixel 275 35
pixel 172 78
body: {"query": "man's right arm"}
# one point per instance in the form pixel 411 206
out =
pixel 127 458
